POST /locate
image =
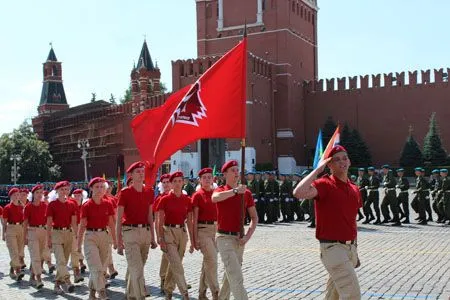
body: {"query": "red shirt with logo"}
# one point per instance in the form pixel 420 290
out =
pixel 136 205
pixel 336 207
pixel 13 213
pixel 229 210
pixel 97 215
pixel 207 210
pixel 35 214
pixel 175 208
pixel 61 213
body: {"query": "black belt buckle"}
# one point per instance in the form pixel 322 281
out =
pixel 14 223
pixel 228 232
pixel 207 222
pixel 62 228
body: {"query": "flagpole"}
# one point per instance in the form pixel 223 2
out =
pixel 243 181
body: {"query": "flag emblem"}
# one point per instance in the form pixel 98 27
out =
pixel 191 108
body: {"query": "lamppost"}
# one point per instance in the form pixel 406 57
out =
pixel 15 158
pixel 83 144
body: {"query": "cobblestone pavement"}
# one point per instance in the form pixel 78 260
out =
pixel 282 262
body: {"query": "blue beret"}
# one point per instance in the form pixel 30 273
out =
pixel 435 171
pixel 418 169
pixel 400 170
pixel 353 177
pixel 370 169
pixel 444 171
pixel 385 166
pixel 361 169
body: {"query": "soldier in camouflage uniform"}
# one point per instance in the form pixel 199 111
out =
pixel 403 195
pixel 271 193
pixel 254 186
pixel 390 197
pixel 362 182
pixel 373 196
pixel 435 184
pixel 188 187
pixel 285 198
pixel 443 204
pixel 262 213
pixel 296 202
pixel 421 192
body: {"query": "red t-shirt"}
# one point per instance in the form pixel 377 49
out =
pixel 113 200
pixel 228 210
pixel 336 207
pixel 157 200
pixel 97 215
pixel 35 214
pixel 61 213
pixel 175 208
pixel 136 205
pixel 13 213
pixel 207 210
pixel 77 208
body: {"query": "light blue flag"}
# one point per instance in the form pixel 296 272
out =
pixel 319 150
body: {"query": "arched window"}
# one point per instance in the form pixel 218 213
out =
pixel 293 6
pixel 298 6
pixel 301 12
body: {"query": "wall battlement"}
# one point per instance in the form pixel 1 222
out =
pixel 196 67
pixel 389 80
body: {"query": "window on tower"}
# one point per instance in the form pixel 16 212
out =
pixel 263 4
pixel 301 12
pixel 298 9
pixel 309 16
pixel 293 6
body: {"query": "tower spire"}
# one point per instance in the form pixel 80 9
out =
pixel 145 60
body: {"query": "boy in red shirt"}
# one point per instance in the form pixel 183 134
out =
pixel 336 201
pixel 76 257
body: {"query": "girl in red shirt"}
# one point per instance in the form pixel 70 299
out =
pixel 13 232
pixel 205 227
pixel 35 235
pixel 97 215
pixel 173 211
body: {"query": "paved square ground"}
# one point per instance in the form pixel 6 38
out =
pixel 282 262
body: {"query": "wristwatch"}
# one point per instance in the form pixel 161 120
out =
pixel 235 190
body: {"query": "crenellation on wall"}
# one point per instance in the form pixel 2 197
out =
pixel 386 80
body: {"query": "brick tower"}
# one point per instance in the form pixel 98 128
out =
pixel 53 97
pixel 145 79
pixel 282 41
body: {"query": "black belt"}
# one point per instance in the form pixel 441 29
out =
pixel 391 189
pixel 175 225
pixel 96 229
pixel 403 191
pixel 38 226
pixel 62 228
pixel 138 225
pixel 352 242
pixel 228 232
pixel 16 223
pixel 207 222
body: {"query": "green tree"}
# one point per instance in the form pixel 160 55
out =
pixel 36 163
pixel 411 155
pixel 112 99
pixel 433 152
pixel 127 96
pixel 357 149
pixel 327 130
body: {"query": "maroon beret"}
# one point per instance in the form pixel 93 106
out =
pixel 175 175
pixel 61 184
pixel 336 149
pixel 37 187
pixel 96 180
pixel 164 176
pixel 205 171
pixel 13 191
pixel 138 164
pixel 229 164
pixel 45 193
pixel 77 191
pixel 129 180
pixel 24 190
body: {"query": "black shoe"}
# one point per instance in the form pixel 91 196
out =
pixel 377 222
pixel 385 221
pixel 371 218
pixel 366 221
pixel 312 225
pixel 406 221
pixel 418 218
pixel 430 219
pixel 360 218
pixel 396 224
pixel 113 275
pixel 423 222
pixel 51 269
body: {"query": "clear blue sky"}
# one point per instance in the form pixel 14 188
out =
pixel 97 41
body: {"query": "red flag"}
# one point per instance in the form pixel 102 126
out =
pixel 212 107
pixel 335 140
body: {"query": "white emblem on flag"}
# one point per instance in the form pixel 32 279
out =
pixel 191 108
